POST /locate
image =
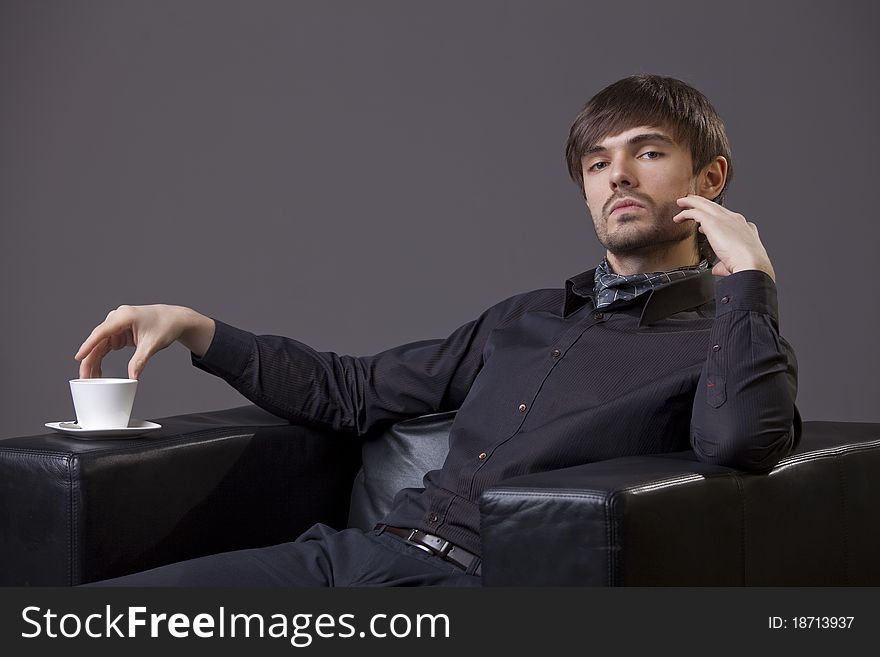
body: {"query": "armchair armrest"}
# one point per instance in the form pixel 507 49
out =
pixel 76 511
pixel 669 520
pixel 583 525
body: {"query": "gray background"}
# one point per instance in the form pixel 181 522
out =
pixel 362 174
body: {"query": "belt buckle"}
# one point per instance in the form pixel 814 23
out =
pixel 412 541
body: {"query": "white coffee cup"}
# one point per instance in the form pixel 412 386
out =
pixel 103 403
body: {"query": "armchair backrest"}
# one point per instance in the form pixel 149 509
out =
pixel 395 459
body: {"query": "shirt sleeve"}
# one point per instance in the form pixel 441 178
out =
pixel 744 413
pixel 351 393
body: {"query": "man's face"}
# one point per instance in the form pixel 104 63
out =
pixel 646 166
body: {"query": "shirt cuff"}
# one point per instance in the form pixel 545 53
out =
pixel 229 354
pixel 747 290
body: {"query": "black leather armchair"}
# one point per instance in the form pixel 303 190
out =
pixel 74 511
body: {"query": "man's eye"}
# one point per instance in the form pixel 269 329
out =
pixel 652 155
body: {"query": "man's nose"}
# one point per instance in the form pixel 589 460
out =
pixel 622 176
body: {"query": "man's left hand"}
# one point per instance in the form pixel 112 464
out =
pixel 734 240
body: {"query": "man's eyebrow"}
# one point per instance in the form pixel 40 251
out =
pixel 638 139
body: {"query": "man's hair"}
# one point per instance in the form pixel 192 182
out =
pixel 652 100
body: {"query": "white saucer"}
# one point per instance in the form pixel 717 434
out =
pixel 134 428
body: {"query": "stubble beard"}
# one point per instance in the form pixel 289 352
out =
pixel 638 234
pixel 644 230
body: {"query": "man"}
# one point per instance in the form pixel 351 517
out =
pixel 647 352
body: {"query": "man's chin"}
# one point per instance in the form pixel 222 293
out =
pixel 631 244
pixel 621 250
pixel 634 240
pixel 642 245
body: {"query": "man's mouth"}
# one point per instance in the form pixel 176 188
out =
pixel 628 206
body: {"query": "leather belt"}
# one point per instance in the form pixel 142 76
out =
pixel 435 545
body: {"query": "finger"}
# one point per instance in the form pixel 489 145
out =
pixel 87 370
pixel 720 269
pixel 135 367
pixel 142 354
pixel 94 363
pixel 688 201
pixel 117 342
pixel 711 210
pixel 97 334
pixel 90 367
pixel 688 214
pixel 696 200
pixel 87 367
pixel 116 321
pixel 121 340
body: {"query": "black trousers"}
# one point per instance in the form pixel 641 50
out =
pixel 321 556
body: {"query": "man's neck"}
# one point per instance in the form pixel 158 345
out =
pixel 643 263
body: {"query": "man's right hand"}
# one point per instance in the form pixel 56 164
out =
pixel 148 329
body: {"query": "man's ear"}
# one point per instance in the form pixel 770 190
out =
pixel 712 178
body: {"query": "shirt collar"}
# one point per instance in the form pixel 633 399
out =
pixel 660 302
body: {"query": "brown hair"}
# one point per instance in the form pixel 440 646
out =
pixel 652 100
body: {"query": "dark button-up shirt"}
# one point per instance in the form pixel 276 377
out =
pixel 542 380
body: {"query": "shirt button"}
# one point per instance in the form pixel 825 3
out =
pixel 522 408
pixel 483 456
pixel 716 347
pixel 433 518
pixel 598 315
pixel 725 299
pixel 556 353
